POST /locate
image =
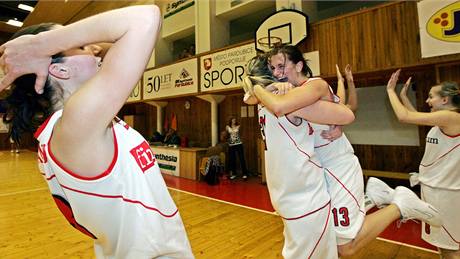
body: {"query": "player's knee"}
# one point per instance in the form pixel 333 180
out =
pixel 347 249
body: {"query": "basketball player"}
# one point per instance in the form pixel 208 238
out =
pixel 101 172
pixel 351 101
pixel 440 166
pixel 345 183
pixel 294 175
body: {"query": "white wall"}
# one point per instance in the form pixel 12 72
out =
pixel 376 123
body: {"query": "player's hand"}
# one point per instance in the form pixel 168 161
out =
pixel 248 87
pixel 279 87
pixel 339 75
pixel 348 73
pixel 21 56
pixel 391 85
pixel 403 92
pixel 334 132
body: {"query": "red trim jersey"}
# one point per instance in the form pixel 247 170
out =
pixel 295 177
pixel 126 209
pixel 440 166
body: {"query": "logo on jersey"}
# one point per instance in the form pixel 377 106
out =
pixel 432 140
pixel 445 23
pixel 42 154
pixel 143 156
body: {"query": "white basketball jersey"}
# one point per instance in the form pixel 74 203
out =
pixel 127 209
pixel 328 151
pixel 294 175
pixel 440 166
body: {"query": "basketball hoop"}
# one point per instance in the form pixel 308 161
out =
pixel 269 42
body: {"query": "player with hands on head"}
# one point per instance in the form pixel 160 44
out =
pixel 101 173
pixel 439 174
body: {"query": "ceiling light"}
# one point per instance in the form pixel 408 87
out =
pixel 25 7
pixel 14 23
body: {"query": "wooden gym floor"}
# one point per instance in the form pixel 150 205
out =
pixel 32 227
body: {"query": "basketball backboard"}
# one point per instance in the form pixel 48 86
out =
pixel 283 27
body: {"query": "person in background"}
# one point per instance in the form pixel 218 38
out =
pixel 235 148
pixel 439 171
pixel 171 138
pixel 157 137
pixel 351 101
pixel 101 173
pixel 14 145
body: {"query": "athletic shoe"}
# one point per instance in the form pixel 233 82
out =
pixel 412 207
pixel 245 177
pixel 232 177
pixel 379 192
pixel 368 203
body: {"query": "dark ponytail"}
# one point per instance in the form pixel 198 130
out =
pixel 26 109
pixel 293 54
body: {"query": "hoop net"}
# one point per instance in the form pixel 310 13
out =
pixel 269 42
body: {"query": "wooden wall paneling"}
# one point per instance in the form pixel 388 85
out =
pixel 448 72
pixel 151 119
pixel 194 123
pixel 389 158
pixel 371 40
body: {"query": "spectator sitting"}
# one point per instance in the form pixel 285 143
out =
pixel 171 138
pixel 157 137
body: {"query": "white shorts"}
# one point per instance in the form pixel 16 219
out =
pixel 448 204
pixel 344 179
pixel 311 236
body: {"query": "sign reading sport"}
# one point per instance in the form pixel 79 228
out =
pixel 225 70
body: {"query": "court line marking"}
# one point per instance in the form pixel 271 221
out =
pixel 24 191
pixel 276 214
pixel 226 202
pixel 408 245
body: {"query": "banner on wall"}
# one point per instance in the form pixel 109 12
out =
pixel 168 160
pixel 171 81
pixel 439 23
pixel 225 70
pixel 176 6
pixel 135 94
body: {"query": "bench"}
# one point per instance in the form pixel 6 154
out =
pixel 385 174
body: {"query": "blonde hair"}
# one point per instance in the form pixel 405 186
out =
pixel 258 72
pixel 452 91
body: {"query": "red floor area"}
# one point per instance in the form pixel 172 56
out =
pixel 249 193
pixel 253 194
